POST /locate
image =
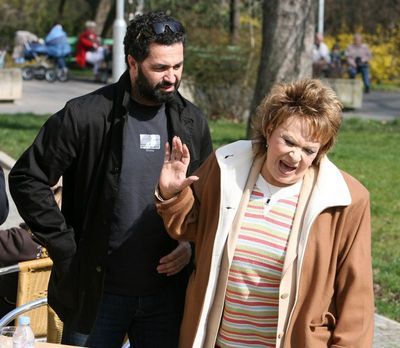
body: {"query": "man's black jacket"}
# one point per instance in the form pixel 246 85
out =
pixel 83 144
pixel 3 198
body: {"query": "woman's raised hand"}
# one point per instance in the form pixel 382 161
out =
pixel 173 174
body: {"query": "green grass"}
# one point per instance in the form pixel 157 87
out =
pixel 81 73
pixel 18 131
pixel 224 132
pixel 369 150
pixel 385 87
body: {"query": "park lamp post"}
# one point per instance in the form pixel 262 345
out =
pixel 119 30
pixel 321 17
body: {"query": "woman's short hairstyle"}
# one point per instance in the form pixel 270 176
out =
pixel 308 99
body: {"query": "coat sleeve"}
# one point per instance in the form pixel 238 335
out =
pixel 181 213
pixel 354 295
pixel 40 167
pixel 3 198
pixel 16 244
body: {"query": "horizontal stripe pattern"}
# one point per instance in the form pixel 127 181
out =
pixel 250 314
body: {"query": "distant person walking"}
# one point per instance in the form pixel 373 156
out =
pixel 358 56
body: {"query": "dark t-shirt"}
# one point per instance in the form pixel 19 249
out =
pixel 138 238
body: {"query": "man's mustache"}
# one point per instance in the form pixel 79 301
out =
pixel 167 84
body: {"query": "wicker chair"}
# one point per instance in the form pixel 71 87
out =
pixel 33 278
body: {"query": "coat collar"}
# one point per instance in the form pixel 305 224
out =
pixel 330 187
pixel 235 161
pixel 330 190
pixel 234 154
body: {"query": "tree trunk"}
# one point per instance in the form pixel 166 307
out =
pixel 60 11
pixel 287 42
pixel 234 21
pixel 102 11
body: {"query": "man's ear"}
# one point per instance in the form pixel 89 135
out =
pixel 132 62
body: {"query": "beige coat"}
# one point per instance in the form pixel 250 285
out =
pixel 326 292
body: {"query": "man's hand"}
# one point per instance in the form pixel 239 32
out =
pixel 173 173
pixel 176 260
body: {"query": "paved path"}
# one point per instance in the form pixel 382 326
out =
pixel 378 106
pixel 41 97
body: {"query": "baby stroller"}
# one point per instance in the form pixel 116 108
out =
pixel 45 60
pixel 38 64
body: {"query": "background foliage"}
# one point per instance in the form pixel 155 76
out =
pixel 37 16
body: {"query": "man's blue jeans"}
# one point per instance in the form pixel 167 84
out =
pixel 363 69
pixel 150 321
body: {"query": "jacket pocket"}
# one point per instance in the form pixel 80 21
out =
pixel 322 330
pixel 63 284
pixel 327 321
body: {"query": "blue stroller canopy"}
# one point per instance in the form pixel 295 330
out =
pixel 57 42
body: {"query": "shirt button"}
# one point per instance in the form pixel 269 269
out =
pixel 283 296
pixel 279 336
pixel 98 269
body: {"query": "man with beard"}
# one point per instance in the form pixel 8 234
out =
pixel 116 271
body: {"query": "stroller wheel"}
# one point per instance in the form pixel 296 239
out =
pixel 62 75
pixel 27 74
pixel 40 72
pixel 50 75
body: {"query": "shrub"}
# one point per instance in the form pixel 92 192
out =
pixel 221 76
pixel 217 78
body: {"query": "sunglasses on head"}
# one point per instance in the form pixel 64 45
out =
pixel 159 28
